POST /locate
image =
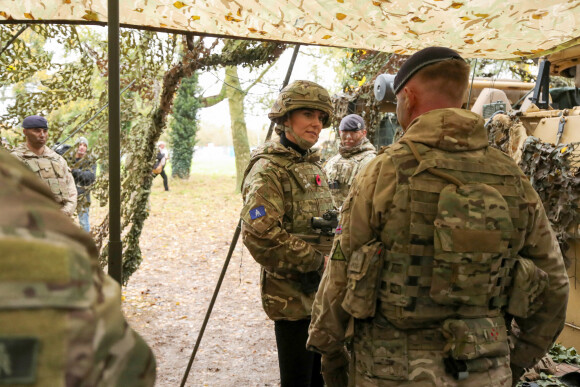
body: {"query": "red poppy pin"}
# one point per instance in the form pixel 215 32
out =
pixel 318 180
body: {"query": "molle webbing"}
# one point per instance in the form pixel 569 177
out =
pixel 302 196
pixel 406 295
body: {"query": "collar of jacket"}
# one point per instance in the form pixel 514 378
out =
pixel 452 130
pixel 275 148
pixel 364 146
pixel 23 149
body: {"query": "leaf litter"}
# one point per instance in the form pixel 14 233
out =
pixel 184 243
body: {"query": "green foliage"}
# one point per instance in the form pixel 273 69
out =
pixel 70 93
pixel 184 126
pixel 561 354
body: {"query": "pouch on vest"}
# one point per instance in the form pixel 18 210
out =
pixel 475 338
pixel 528 285
pixel 45 169
pixel 58 169
pixel 381 351
pixel 363 276
pixel 472 231
pixel 33 165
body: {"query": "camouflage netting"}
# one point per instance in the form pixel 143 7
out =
pixel 554 172
pixel 361 100
pixel 70 94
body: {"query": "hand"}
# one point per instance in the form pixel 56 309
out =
pixel 326 257
pixel 335 369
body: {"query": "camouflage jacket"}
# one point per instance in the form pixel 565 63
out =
pixel 282 191
pixel 365 215
pixel 61 322
pixel 53 169
pixel 342 168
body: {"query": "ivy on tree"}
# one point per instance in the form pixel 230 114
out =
pixel 184 126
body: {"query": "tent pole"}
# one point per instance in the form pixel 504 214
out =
pixel 13 39
pixel 115 267
pixel 230 252
pixel 284 84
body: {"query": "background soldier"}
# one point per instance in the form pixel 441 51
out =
pixel 84 173
pixel 60 316
pixel 283 188
pixel 354 153
pixel 46 163
pixel 162 158
pixel 431 310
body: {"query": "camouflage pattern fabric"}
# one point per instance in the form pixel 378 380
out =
pixel 52 169
pixel 385 202
pixel 301 95
pixel 61 322
pixel 492 29
pixel 282 191
pixel 554 172
pixel 342 168
pixel 507 133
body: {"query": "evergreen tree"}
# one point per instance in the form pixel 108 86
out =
pixel 184 126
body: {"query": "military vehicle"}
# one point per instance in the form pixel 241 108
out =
pixel 540 128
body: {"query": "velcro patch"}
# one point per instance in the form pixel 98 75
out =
pixel 18 360
pixel 257 212
pixel 337 254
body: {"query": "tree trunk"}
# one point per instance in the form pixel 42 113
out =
pixel 235 96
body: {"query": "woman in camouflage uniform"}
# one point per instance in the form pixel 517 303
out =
pixel 283 188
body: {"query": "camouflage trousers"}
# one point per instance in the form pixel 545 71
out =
pixel 391 357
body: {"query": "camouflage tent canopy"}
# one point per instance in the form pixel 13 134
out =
pixel 495 29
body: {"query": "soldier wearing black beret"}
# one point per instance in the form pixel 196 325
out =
pixel 443 241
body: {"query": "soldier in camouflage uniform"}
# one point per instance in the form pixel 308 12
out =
pixel 426 296
pixel 46 163
pixel 61 322
pixel 354 153
pixel 283 188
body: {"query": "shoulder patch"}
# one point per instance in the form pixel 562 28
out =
pixel 257 212
pixel 337 254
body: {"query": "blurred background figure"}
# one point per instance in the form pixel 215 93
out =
pixel 46 163
pixel 159 167
pixel 84 171
pixel 354 153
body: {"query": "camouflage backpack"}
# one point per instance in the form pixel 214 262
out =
pixel 472 230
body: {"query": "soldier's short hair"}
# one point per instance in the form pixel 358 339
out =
pixel 449 77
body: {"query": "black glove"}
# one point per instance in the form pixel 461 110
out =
pixel 309 281
pixel 335 369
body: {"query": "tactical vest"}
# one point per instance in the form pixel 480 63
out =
pixel 52 172
pixel 408 293
pixel 341 174
pixel 305 190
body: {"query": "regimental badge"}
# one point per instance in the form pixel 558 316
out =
pixel 337 254
pixel 257 212
pixel 338 230
pixel 318 180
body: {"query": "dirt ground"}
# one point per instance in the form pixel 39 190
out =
pixel 185 242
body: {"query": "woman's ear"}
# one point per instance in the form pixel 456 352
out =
pixel 286 119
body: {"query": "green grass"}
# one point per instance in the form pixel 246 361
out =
pixel 221 167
